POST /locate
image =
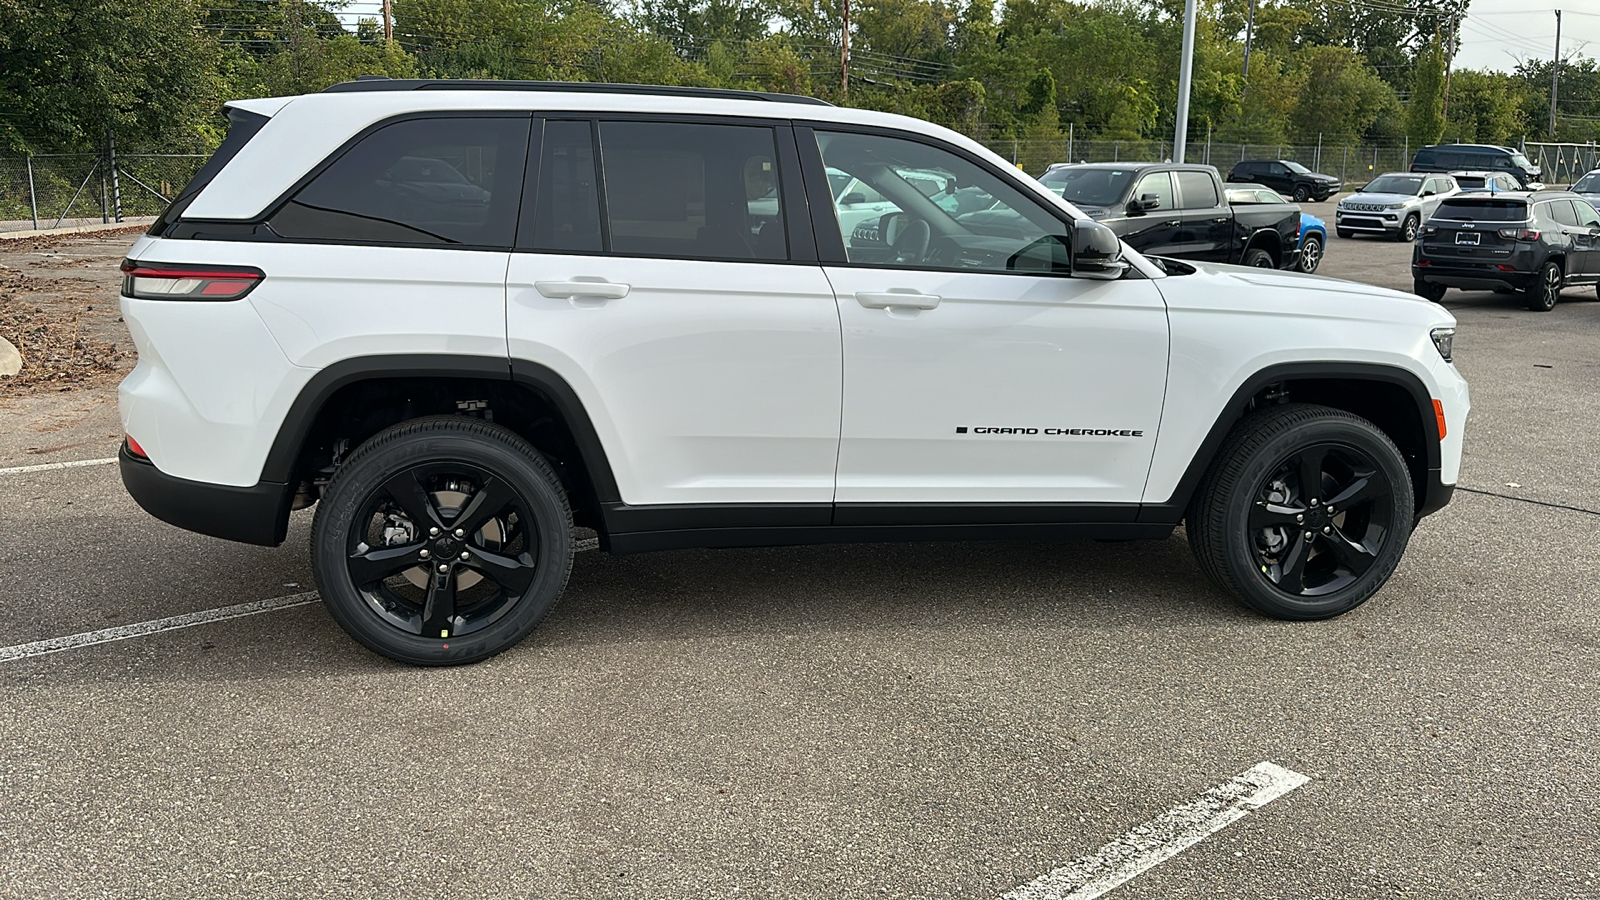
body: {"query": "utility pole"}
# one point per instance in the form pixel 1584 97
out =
pixel 388 24
pixel 844 55
pixel 1249 32
pixel 1180 141
pixel 1450 60
pixel 1555 76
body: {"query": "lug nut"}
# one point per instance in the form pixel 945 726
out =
pixel 1309 535
pixel 461 532
pixel 1299 518
pixel 445 568
pixel 424 554
pixel 1330 509
pixel 433 532
pixel 465 556
pixel 1313 501
pixel 1327 530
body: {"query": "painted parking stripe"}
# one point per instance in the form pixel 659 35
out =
pixel 187 620
pixel 1162 838
pixel 45 467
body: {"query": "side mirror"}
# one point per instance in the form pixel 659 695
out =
pixel 1096 252
pixel 889 225
pixel 852 197
pixel 1429 193
pixel 1144 202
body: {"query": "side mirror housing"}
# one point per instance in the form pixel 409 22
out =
pixel 1096 252
pixel 1143 202
pixel 852 197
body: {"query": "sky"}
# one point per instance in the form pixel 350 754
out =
pixel 1497 34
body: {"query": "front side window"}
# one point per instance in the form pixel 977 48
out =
pixel 692 191
pixel 1196 190
pixel 430 182
pixel 947 212
pixel 1159 186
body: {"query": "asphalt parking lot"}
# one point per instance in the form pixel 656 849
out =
pixel 931 721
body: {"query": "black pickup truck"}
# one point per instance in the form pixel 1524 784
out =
pixel 1178 210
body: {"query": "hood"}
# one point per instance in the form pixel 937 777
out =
pixel 1364 197
pixel 1308 222
pixel 1326 179
pixel 1276 290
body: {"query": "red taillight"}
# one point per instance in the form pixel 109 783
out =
pixel 1519 234
pixel 161 281
pixel 134 448
pixel 1424 262
pixel 1505 268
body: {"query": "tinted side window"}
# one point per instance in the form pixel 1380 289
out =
pixel 1196 190
pixel 437 182
pixel 1159 184
pixel 1587 216
pixel 567 210
pixel 697 191
pixel 1561 211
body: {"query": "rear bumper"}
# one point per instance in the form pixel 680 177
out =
pixel 258 514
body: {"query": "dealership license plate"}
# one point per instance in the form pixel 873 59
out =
pixel 1467 237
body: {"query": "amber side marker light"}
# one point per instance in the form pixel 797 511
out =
pixel 1438 413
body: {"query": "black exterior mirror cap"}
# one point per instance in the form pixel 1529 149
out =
pixel 1096 251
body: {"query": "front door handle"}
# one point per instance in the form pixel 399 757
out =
pixel 1174 223
pixel 896 298
pixel 581 287
pixel 1223 219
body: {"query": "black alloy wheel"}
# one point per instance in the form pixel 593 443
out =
pixel 1542 294
pixel 442 541
pixel 1428 289
pixel 1408 230
pixel 1310 253
pixel 1305 514
pixel 1302 194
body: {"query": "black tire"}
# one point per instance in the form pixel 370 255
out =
pixel 1302 194
pixel 1257 258
pixel 1545 290
pixel 1408 230
pixel 1310 253
pixel 1434 292
pixel 1241 523
pixel 378 568
pixel 1344 233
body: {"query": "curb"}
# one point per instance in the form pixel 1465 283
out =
pixel 130 222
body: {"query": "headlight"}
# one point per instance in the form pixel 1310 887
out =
pixel 1444 340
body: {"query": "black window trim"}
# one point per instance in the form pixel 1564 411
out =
pixel 792 193
pixel 262 231
pixel 834 253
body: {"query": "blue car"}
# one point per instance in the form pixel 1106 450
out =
pixel 1313 240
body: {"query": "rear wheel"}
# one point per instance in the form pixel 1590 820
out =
pixel 1310 253
pixel 442 541
pixel 1542 294
pixel 1305 513
pixel 1257 258
pixel 1434 292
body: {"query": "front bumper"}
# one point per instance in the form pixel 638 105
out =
pixel 1370 222
pixel 258 514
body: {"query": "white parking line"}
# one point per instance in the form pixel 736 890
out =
pixel 45 467
pixel 1165 836
pixel 187 620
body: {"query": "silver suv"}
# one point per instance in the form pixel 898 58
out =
pixel 1393 204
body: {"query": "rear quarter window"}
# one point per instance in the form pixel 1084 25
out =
pixel 242 126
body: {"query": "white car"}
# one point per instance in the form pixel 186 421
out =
pixel 1394 204
pixel 625 334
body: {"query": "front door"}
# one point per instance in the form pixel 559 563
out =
pixel 1155 230
pixel 977 373
pixel 661 277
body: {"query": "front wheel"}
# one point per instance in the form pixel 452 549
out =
pixel 1310 253
pixel 1408 230
pixel 1543 293
pixel 442 541
pixel 1302 194
pixel 1305 512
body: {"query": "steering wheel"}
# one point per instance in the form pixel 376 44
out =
pixel 911 244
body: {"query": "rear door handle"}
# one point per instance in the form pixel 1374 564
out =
pixel 581 287
pixel 896 298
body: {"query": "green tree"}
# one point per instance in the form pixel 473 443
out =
pixel 1338 98
pixel 1485 107
pixel 1425 112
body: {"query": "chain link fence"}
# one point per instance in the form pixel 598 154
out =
pixel 50 190
pixel 1354 165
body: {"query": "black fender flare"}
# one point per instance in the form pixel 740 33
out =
pixel 1433 494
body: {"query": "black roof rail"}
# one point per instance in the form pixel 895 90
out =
pixel 380 83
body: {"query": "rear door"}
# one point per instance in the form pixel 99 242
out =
pixel 665 270
pixel 1206 232
pixel 1589 228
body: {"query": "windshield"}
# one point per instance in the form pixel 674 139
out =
pixel 1589 184
pixel 1464 210
pixel 1297 168
pixel 1520 160
pixel 1089 187
pixel 1393 184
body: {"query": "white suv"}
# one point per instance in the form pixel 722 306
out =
pixel 463 317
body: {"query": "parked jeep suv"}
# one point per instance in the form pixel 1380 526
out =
pixel 1533 243
pixel 1287 177
pixel 650 323
pixel 1394 205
